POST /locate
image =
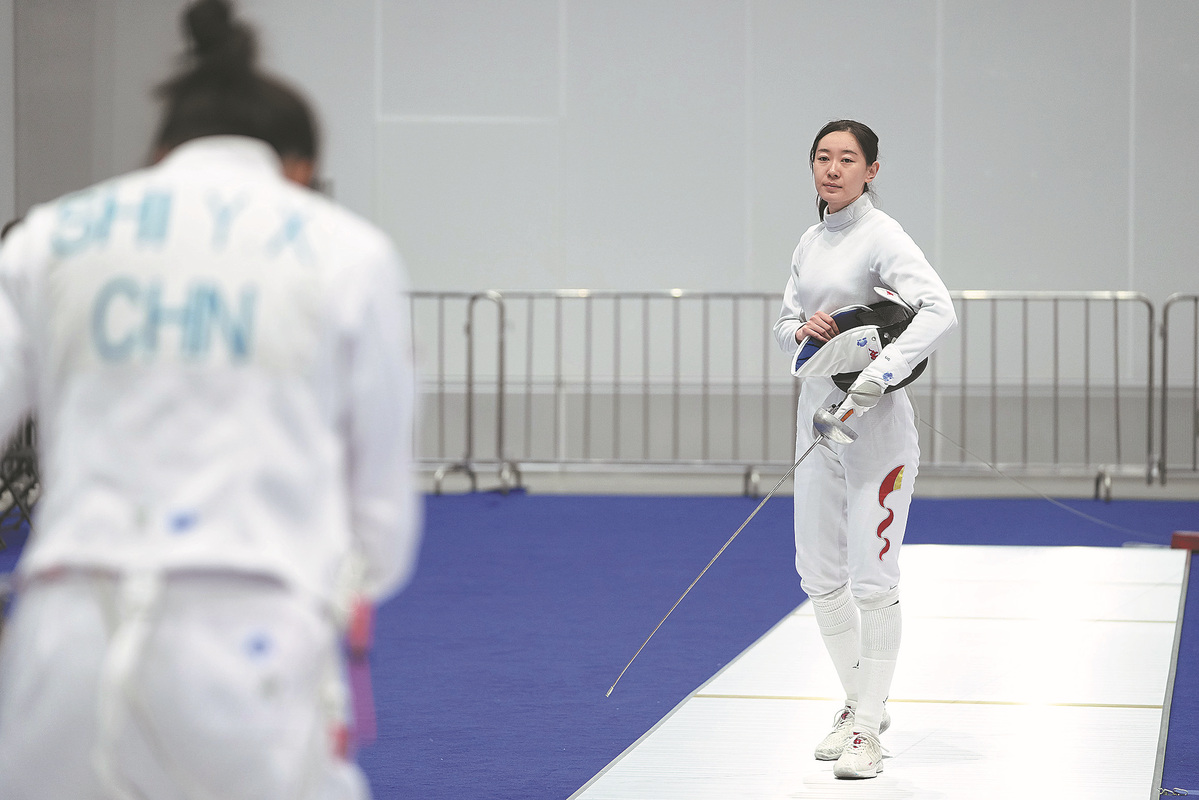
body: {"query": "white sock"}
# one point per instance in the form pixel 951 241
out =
pixel 837 616
pixel 881 632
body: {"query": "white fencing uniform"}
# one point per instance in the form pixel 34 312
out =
pixel 220 366
pixel 851 501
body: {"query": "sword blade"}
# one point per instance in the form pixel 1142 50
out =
pixel 769 494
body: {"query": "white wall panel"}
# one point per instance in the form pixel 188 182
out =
pixel 8 128
pixel 815 62
pixel 662 143
pixel 469 57
pixel 136 50
pixel 327 51
pixel 472 206
pixel 654 145
pixel 54 98
pixel 1036 172
pixel 1166 249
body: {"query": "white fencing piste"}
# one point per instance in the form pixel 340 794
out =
pixel 1026 672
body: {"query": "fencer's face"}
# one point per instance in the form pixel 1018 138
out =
pixel 840 170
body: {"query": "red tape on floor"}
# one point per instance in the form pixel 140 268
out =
pixel 1185 540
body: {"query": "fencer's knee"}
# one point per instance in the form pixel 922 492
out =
pixel 833 599
pixel 835 611
pixel 874 600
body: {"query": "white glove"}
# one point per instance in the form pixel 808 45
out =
pixel 865 393
pixel 834 422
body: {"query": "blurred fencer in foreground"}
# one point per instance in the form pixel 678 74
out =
pixel 218 360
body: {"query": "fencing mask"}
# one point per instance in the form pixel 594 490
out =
pixel 864 332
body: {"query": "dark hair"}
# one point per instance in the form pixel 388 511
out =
pixel 219 90
pixel 8 226
pixel 867 140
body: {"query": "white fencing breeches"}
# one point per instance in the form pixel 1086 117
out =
pixel 216 686
pixel 851 501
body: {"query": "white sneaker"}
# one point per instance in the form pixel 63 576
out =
pixel 862 757
pixel 831 747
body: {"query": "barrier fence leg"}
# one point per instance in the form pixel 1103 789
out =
pixel 1103 482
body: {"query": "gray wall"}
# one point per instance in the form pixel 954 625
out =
pixel 53 60
pixel 8 137
pixel 651 144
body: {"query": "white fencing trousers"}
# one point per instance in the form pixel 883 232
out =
pixel 851 501
pixel 206 686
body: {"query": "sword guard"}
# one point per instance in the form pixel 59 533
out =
pixel 833 427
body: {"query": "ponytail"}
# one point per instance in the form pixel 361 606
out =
pixel 219 46
pixel 219 90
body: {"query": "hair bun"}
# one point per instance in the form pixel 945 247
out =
pixel 216 36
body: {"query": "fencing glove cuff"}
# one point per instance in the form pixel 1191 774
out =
pixel 889 369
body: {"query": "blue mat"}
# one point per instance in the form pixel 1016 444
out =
pixel 522 614
pixel 490 670
pixel 492 667
pixel 13 532
pixel 1182 741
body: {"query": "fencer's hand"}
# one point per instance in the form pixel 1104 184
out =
pixel 865 392
pixel 820 327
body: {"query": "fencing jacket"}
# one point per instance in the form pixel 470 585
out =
pixel 840 260
pixel 220 367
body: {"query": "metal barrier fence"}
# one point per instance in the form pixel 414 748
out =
pixel 19 481
pixel 1038 383
pixel 1179 453
pixel 1046 384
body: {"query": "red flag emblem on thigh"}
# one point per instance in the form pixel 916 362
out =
pixel 890 484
